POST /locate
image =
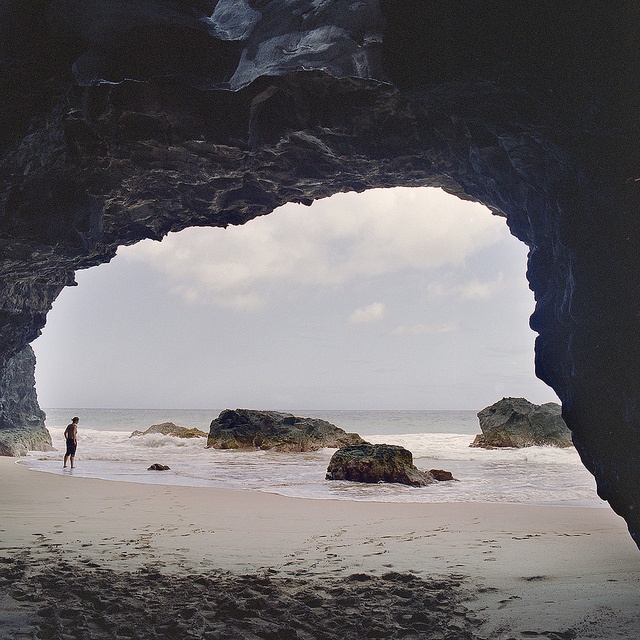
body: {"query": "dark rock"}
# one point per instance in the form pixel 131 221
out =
pixel 249 429
pixel 516 422
pixel 21 419
pixel 441 475
pixel 170 429
pixel 315 98
pixel 376 463
pixel 156 466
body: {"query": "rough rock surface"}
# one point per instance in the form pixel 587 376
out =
pixel 21 419
pixel 516 422
pixel 171 429
pixel 373 463
pixel 126 120
pixel 250 429
pixel 442 476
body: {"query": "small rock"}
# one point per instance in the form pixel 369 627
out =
pixel 441 475
pixel 158 467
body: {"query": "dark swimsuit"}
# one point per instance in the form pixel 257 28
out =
pixel 71 447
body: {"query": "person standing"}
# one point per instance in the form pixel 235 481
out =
pixel 71 436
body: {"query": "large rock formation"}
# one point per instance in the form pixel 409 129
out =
pixel 170 429
pixel 21 419
pixel 373 463
pixel 251 429
pixel 516 422
pixel 122 120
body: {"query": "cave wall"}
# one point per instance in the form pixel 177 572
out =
pixel 125 120
pixel 21 419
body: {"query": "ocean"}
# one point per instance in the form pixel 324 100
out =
pixel 437 439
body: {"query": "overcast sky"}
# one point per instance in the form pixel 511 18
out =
pixel 390 299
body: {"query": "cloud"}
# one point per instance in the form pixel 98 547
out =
pixel 368 314
pixel 242 301
pixel 424 329
pixel 472 290
pixel 476 290
pixel 332 242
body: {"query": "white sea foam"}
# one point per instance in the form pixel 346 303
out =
pixel 534 475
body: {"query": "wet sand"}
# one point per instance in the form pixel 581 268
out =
pixel 82 558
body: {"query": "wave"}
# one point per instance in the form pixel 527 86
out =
pixel 535 475
pixel 455 446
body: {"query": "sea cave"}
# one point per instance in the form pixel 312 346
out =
pixel 124 120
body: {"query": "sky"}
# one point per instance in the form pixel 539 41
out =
pixel 398 299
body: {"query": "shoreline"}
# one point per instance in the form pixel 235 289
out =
pixel 142 476
pixel 508 568
pixel 532 475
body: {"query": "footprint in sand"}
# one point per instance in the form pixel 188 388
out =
pixel 506 601
pixel 102 511
pixel 492 543
pixel 377 553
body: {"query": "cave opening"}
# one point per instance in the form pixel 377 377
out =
pixel 395 313
pixel 404 298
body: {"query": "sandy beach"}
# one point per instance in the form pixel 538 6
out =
pixel 82 558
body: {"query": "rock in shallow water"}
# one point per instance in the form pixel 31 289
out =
pixel 250 429
pixel 373 463
pixel 516 422
pixel 156 466
pixel 442 476
pixel 171 429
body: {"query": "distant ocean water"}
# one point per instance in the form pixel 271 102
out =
pixel 437 439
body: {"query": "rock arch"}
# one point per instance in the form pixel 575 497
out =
pixel 148 117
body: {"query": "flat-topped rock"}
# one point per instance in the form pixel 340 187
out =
pixel 251 429
pixel 516 422
pixel 372 463
pixel 171 429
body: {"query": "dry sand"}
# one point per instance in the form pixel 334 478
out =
pixel 83 558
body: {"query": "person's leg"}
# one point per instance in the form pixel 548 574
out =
pixel 71 458
pixel 66 456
